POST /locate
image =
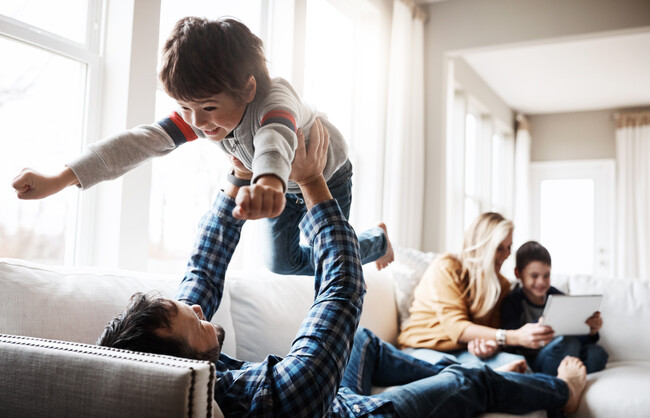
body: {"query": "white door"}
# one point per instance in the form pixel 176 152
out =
pixel 572 214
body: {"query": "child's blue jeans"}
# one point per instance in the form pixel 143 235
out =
pixel 548 358
pixel 445 389
pixel 283 252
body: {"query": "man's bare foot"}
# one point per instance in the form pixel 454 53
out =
pixel 574 373
pixel 517 366
pixel 389 256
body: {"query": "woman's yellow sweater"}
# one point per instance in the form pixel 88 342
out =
pixel 440 313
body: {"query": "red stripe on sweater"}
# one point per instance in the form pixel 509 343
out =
pixel 280 114
pixel 183 126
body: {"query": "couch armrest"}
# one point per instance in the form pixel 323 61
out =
pixel 57 378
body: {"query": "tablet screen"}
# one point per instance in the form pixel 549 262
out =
pixel 567 314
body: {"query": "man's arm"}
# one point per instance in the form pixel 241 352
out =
pixel 218 236
pixel 307 380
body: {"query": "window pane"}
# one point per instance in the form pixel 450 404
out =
pixel 41 114
pixel 471 161
pixel 70 24
pixel 567 224
pixel 184 183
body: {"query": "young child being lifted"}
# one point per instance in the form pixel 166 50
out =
pixel 216 71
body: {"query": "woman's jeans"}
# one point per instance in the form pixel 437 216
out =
pixel 464 357
pixel 285 255
pixel 548 358
pixel 445 389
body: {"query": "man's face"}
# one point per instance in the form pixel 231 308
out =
pixel 189 325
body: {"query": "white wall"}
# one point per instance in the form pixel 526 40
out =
pixel 461 25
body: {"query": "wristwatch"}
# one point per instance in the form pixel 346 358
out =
pixel 232 178
pixel 501 337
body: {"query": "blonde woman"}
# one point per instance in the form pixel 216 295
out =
pixel 457 304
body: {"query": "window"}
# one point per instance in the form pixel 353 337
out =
pixel 480 155
pixel 345 89
pixel 44 118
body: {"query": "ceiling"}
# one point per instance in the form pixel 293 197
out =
pixel 590 74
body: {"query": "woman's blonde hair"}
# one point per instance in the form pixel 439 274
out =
pixel 480 245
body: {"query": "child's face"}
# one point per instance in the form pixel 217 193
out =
pixel 216 115
pixel 535 280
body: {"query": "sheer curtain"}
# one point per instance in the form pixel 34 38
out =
pixel 522 218
pixel 633 211
pixel 404 148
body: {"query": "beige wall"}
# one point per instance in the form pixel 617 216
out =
pixel 573 136
pixel 463 25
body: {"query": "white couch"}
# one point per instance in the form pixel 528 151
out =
pixel 53 368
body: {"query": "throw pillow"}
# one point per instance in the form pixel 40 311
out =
pixel 408 268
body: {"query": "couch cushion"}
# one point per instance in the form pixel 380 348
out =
pixel 621 390
pixel 407 270
pixel 54 378
pixel 76 303
pixel 267 309
pixel 624 309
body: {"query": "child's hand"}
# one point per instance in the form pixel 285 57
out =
pixel 595 322
pixel 30 184
pixel 308 163
pixel 533 335
pixel 482 348
pixel 258 201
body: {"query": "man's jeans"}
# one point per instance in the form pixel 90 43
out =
pixel 283 252
pixel 445 389
pixel 548 358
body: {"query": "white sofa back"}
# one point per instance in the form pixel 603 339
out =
pixel 260 311
pixel 626 314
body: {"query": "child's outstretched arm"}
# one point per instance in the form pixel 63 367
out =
pixel 30 184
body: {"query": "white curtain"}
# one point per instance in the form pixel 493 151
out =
pixel 522 208
pixel 403 193
pixel 633 203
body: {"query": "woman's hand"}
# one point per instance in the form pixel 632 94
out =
pixel 482 348
pixel 533 335
pixel 595 322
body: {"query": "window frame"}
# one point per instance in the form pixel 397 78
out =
pixel 80 220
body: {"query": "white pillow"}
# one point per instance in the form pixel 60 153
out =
pixel 407 270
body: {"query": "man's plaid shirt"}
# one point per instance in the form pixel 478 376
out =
pixel 306 382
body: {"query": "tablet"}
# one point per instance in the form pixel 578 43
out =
pixel 567 314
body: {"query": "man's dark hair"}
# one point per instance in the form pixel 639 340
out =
pixel 532 251
pixel 203 57
pixel 135 328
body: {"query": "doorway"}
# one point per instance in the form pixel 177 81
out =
pixel 572 214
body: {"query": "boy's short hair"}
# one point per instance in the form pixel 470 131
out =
pixel 532 251
pixel 203 57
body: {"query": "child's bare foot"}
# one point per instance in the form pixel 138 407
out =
pixel 389 256
pixel 517 366
pixel 574 373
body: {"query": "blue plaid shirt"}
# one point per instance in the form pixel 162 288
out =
pixel 306 382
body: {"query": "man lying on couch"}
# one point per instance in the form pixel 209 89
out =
pixel 313 380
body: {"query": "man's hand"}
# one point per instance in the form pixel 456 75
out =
pixel 308 164
pixel 30 184
pixel 482 348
